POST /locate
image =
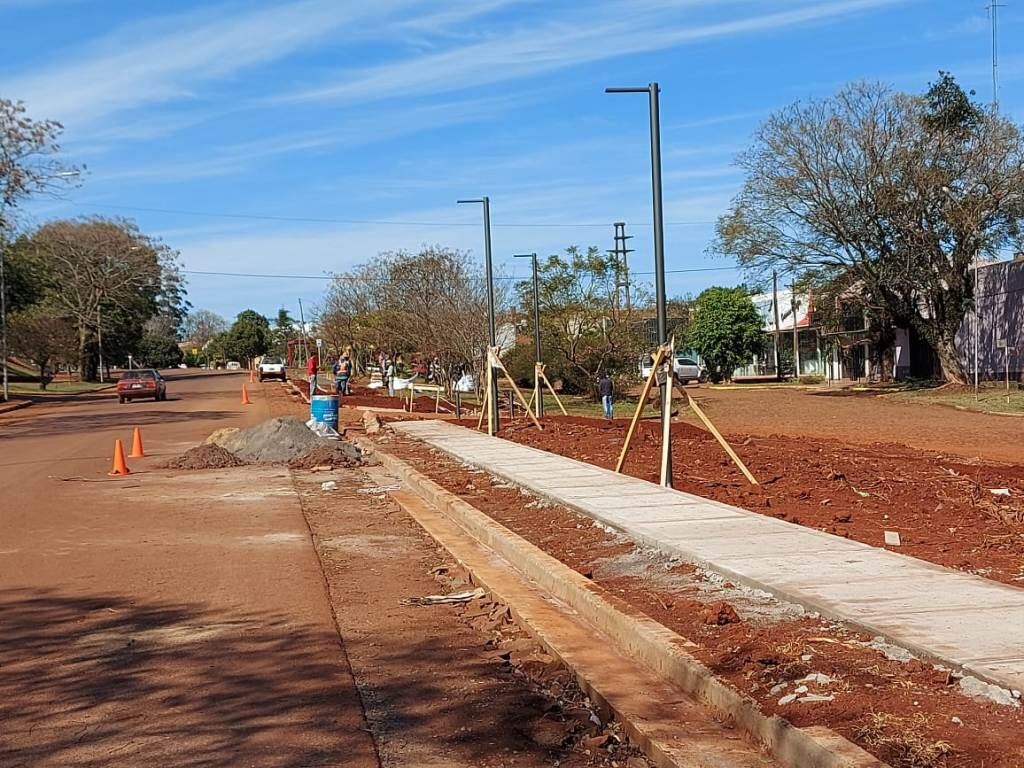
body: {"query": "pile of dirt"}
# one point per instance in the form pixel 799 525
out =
pixel 329 454
pixel 205 456
pixel 275 441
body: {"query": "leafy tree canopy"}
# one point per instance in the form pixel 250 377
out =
pixel 249 336
pixel 726 330
pixel 159 352
pixel 890 194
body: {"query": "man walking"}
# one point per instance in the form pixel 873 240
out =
pixel 606 390
pixel 312 364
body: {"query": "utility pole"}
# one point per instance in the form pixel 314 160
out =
pixel 775 335
pixel 796 333
pixel 621 252
pixel 652 90
pixel 492 332
pixel 305 349
pixel 993 11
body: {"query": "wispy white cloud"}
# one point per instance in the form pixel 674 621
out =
pixel 380 125
pixel 711 120
pixel 167 59
pixel 606 33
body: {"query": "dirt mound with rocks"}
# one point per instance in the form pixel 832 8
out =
pixel 275 441
pixel 205 456
pixel 281 440
pixel 331 454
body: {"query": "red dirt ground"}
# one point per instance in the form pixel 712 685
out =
pixel 901 712
pixel 940 505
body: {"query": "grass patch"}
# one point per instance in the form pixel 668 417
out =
pixel 991 397
pixel 904 741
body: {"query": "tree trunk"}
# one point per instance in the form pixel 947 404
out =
pixel 952 369
pixel 83 351
pixel 43 381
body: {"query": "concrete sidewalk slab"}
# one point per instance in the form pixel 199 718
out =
pixel 955 618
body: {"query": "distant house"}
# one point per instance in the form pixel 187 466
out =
pixel 998 323
pixel 847 352
pixel 796 312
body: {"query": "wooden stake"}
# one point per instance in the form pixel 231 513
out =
pixel 537 392
pixel 553 393
pixel 658 357
pixel 491 405
pixel 501 366
pixel 666 416
pixel 721 440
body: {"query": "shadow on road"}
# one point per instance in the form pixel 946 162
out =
pixel 59 423
pixel 106 680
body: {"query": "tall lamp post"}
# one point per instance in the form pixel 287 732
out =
pixel 652 91
pixel 492 333
pixel 538 392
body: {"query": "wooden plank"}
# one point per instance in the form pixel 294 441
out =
pixel 515 389
pixel 659 355
pixel 553 393
pixel 721 440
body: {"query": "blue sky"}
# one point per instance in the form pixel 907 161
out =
pixel 326 121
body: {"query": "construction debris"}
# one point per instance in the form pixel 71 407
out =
pixel 458 597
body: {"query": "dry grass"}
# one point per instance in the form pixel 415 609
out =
pixel 904 741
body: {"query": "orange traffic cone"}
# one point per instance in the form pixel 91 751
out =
pixel 245 396
pixel 120 467
pixel 137 451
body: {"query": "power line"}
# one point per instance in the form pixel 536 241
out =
pixel 376 222
pixel 355 279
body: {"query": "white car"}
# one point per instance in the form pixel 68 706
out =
pixel 685 368
pixel 234 365
pixel 271 368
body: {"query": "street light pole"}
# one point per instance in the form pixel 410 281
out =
pixel 539 393
pixel 492 333
pixel 653 91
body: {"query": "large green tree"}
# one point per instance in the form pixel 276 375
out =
pixel 41 335
pixel 159 352
pixel 893 195
pixel 249 336
pixel 726 330
pixel 110 279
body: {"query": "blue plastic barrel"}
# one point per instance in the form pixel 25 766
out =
pixel 324 409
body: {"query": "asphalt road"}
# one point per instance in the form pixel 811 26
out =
pixel 162 618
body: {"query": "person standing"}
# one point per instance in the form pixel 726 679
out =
pixel 342 372
pixel 389 376
pixel 312 364
pixel 606 390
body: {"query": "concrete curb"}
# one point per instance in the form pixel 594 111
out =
pixel 15 406
pixel 639 636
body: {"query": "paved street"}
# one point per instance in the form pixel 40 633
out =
pixel 162 618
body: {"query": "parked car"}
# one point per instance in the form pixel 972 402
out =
pixel 144 382
pixel 271 368
pixel 686 369
pixel 234 365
